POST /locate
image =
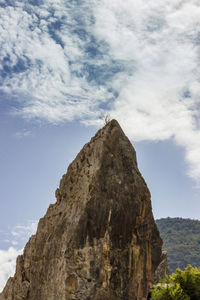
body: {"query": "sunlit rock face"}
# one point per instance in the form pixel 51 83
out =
pixel 99 240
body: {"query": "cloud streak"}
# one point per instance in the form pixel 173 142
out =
pixel 139 60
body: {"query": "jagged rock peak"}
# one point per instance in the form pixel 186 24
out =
pixel 99 240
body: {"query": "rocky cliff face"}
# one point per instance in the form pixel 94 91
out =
pixel 99 240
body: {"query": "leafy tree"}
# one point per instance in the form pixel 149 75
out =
pixel 182 285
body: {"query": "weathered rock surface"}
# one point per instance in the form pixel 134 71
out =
pixel 99 240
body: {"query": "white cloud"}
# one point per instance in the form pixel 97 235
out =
pixel 22 134
pixel 49 85
pixel 137 59
pixel 161 37
pixel 19 235
pixel 7 263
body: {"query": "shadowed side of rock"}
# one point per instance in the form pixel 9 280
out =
pixel 99 240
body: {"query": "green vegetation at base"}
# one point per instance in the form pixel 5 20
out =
pixel 181 240
pixel 183 285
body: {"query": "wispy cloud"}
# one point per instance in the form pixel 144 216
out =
pixel 22 134
pixel 48 61
pixel 7 263
pixel 21 233
pixel 17 238
pixel 139 60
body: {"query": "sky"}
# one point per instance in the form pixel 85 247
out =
pixel 64 66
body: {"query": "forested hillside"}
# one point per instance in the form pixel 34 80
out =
pixel 181 239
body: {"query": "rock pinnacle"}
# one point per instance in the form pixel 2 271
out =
pixel 99 240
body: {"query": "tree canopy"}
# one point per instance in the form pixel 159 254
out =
pixel 182 285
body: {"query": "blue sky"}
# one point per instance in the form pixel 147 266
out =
pixel 63 66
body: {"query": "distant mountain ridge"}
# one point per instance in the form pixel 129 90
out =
pixel 181 240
